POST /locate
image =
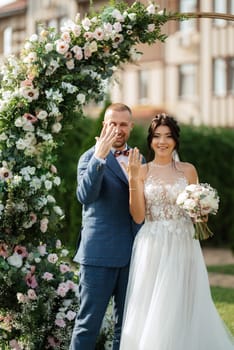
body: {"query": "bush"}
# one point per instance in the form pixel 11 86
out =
pixel 211 150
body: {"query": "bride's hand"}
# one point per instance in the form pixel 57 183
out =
pixel 134 163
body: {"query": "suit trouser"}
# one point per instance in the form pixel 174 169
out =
pixel 96 287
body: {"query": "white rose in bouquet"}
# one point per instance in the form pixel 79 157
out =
pixel 199 200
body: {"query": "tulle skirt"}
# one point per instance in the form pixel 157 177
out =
pixel 168 303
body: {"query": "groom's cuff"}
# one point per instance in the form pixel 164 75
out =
pixel 103 161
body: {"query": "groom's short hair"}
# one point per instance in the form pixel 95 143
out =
pixel 119 107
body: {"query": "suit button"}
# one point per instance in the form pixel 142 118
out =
pixel 98 167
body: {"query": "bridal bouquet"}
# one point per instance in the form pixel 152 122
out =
pixel 199 201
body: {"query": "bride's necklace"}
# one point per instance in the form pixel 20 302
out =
pixel 157 165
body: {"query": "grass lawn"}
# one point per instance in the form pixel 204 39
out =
pixel 224 297
pixel 225 269
pixel 224 301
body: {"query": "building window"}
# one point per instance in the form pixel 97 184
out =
pixel 187 80
pixel 220 77
pixel 231 6
pixel 143 79
pixel 188 6
pixel 7 41
pixel 223 76
pixel 224 6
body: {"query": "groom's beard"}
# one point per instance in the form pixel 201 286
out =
pixel 120 142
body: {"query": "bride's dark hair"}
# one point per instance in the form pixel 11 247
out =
pixel 164 119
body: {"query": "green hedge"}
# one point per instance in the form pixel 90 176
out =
pixel 211 150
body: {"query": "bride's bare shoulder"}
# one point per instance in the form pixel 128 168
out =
pixel 184 165
pixel 189 171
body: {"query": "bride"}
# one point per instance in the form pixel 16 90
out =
pixel 168 303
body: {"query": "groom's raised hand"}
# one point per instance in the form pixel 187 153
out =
pixel 105 141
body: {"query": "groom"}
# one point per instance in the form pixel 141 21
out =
pixel 108 230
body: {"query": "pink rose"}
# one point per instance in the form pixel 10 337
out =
pixel 52 258
pixel 31 280
pixel 15 345
pixel 60 323
pixel 42 249
pixel 62 289
pixel 48 276
pixel 21 250
pixel 70 315
pixel 64 268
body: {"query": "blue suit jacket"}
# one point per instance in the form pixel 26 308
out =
pixel 108 230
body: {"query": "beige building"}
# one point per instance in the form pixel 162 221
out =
pixel 191 75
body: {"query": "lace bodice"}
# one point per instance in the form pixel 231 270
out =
pixel 161 188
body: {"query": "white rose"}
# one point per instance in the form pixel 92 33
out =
pixel 49 47
pixel 57 181
pixel 151 27
pixel 76 30
pixel 19 122
pixel 3 136
pixel 34 37
pixel 117 27
pixel 67 302
pixel 51 199
pixel 210 203
pixel 81 98
pixel 27 126
pixel 48 185
pixel 189 204
pixel 28 45
pixel 21 144
pixel 44 225
pixel 191 188
pixel 132 16
pixel 151 9
pixel 93 46
pixel 181 198
pixel 30 138
pixel 42 115
pixel 20 297
pixel 117 15
pixel 70 64
pixel 56 127
pixel 58 210
pixel 64 252
pixel 86 23
pixel 15 260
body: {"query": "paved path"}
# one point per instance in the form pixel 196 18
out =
pixel 217 256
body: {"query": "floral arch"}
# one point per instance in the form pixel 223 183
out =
pixel 55 76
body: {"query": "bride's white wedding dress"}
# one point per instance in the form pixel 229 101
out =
pixel 168 302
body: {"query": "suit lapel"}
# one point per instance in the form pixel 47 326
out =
pixel 115 167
